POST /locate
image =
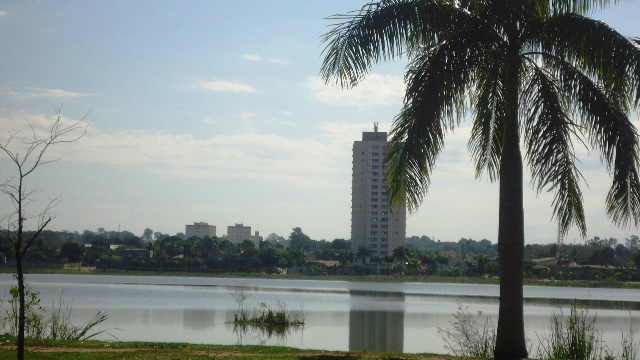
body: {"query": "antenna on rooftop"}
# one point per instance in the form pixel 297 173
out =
pixel 375 127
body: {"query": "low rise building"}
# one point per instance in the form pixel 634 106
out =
pixel 239 233
pixel 200 230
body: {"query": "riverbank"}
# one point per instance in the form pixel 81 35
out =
pixel 362 278
pixel 85 350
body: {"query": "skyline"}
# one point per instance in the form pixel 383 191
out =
pixel 215 111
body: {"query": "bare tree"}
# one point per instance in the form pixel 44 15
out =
pixel 27 154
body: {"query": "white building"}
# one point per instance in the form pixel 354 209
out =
pixel 372 222
pixel 200 229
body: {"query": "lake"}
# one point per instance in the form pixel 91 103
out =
pixel 339 315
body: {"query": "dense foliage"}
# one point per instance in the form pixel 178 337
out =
pixel 595 259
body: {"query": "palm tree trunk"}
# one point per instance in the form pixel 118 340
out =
pixel 510 342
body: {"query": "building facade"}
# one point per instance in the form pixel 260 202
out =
pixel 373 224
pixel 200 229
pixel 239 233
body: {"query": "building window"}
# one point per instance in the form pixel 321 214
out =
pixel 375 160
pixel 374 213
pixel 384 219
pixel 384 226
pixel 374 193
pixel 374 233
pixel 375 173
pixel 374 226
pixel 372 206
pixel 374 186
pixel 375 154
pixel 374 199
pixel 375 167
pixel 374 219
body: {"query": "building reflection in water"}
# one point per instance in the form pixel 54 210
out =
pixel 376 330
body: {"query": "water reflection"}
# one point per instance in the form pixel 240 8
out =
pixel 586 303
pixel 196 319
pixel 376 330
pixel 265 335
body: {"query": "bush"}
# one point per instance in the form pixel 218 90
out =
pixel 470 335
pixel 57 327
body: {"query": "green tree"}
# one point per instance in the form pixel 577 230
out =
pixel 364 253
pixel 298 238
pixel 401 254
pixel 570 77
pixel 72 251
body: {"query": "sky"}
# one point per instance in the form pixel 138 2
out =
pixel 214 111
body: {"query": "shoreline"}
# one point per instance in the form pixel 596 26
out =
pixel 92 349
pixel 352 278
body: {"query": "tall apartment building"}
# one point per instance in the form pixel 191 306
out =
pixel 200 229
pixel 372 222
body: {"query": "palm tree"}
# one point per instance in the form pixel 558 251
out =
pixel 364 253
pixel 401 254
pixel 532 67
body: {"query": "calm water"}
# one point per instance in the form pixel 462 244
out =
pixel 339 315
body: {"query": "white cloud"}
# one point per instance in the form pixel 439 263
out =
pixel 3 14
pixel 376 89
pixel 226 86
pixel 251 57
pixel 299 162
pixel 210 121
pixel 33 93
pixel 277 61
pixel 245 115
pixel 258 58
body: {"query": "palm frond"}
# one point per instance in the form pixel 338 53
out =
pixel 599 51
pixel 436 83
pixel 550 154
pixel 386 30
pixel 485 144
pixel 580 6
pixel 609 130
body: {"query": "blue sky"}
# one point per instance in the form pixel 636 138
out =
pixel 213 110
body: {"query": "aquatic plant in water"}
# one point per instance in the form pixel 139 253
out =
pixel 263 315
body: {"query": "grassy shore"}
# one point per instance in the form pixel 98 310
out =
pixel 77 350
pixel 363 278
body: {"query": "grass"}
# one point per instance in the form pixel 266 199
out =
pixel 573 337
pixel 355 278
pixel 78 350
pixel 57 326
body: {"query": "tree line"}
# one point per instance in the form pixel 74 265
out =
pixel 618 260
